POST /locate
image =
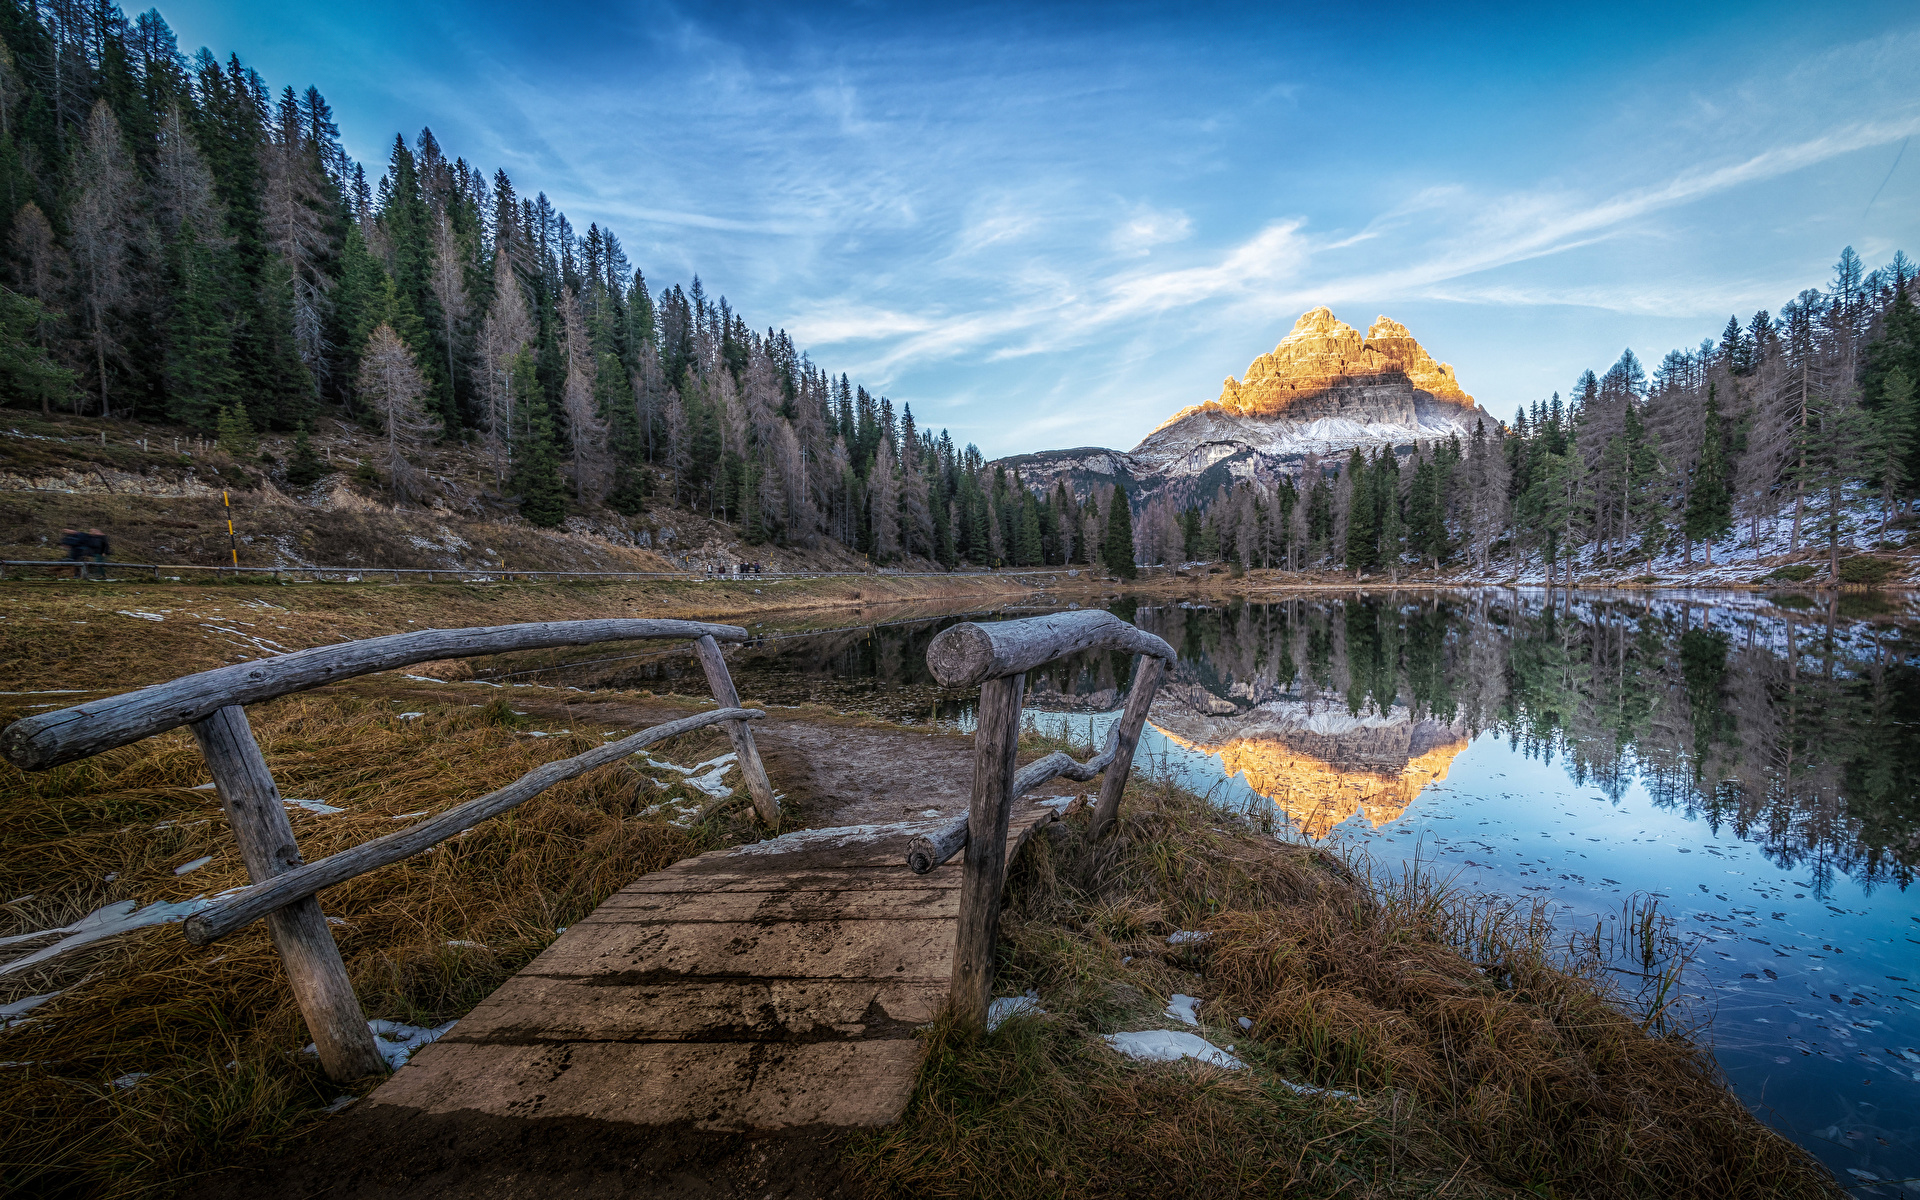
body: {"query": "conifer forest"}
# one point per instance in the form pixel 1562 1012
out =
pixel 186 244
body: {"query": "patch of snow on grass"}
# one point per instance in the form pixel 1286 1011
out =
pixel 312 806
pixel 414 716
pixel 1302 1089
pixel 130 1078
pixel 398 1041
pixel 1014 1006
pixel 195 865
pixel 1184 1008
pixel 1162 1045
pixel 22 1006
pixel 1187 937
pixel 144 616
pixel 122 916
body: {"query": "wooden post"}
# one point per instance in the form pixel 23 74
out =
pixel 739 732
pixel 995 742
pixel 1146 681
pixel 300 933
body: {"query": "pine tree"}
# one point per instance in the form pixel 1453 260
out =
pixel 25 369
pixel 1709 511
pixel 1026 542
pixel 1118 557
pixel 1892 444
pixel 235 432
pixel 201 381
pixel 303 465
pixel 1386 486
pixel 1363 532
pixel 536 458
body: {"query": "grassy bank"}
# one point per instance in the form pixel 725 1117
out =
pixel 1399 1040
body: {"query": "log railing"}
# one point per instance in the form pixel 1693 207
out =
pixel 212 703
pixel 997 656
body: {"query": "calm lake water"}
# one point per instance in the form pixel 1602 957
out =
pixel 1750 763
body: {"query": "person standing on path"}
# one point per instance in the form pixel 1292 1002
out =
pixel 76 544
pixel 98 547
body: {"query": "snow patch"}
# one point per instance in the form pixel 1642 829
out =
pixel 1014 1006
pixel 122 916
pixel 1187 937
pixel 397 1041
pixel 312 806
pixel 26 1004
pixel 1161 1045
pixel 1185 1008
pixel 195 865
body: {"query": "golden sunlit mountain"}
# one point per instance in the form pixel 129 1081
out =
pixel 1324 389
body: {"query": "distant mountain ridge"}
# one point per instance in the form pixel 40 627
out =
pixel 1324 389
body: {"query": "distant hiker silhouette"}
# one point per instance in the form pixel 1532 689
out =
pixel 78 547
pixel 98 547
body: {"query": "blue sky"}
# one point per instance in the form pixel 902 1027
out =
pixel 1049 226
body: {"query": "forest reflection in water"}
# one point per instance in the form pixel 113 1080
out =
pixel 1748 761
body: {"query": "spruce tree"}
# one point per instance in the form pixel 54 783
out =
pixel 303 465
pixel 1118 557
pixel 201 380
pixel 1026 543
pixel 25 369
pixel 1893 443
pixel 1386 487
pixel 536 457
pixel 1709 511
pixel 1363 532
pixel 235 432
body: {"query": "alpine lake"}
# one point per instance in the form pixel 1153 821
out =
pixel 1717 793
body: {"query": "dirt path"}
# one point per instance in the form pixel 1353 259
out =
pixel 841 773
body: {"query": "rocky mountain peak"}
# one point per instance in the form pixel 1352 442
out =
pixel 1323 354
pixel 1326 388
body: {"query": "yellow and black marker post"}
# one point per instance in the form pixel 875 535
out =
pixel 233 545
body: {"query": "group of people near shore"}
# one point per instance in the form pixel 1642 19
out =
pixel 85 548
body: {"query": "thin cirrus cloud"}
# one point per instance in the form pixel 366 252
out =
pixel 1274 269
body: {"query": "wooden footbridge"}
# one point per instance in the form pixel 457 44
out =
pixel 765 987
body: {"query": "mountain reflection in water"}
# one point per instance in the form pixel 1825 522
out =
pixel 1749 761
pixel 1318 791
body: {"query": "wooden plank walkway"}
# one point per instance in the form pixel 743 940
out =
pixel 734 992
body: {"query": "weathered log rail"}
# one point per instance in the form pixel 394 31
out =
pixel 997 656
pixel 283 890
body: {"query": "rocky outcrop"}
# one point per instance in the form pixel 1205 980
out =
pixel 1324 389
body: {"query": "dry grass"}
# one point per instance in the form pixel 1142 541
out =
pixel 77 635
pixel 1483 1061
pixel 214 1030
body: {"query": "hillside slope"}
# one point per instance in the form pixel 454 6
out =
pixel 157 493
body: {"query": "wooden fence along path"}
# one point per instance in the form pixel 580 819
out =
pixel 768 986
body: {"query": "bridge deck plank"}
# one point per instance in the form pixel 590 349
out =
pixel 730 992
